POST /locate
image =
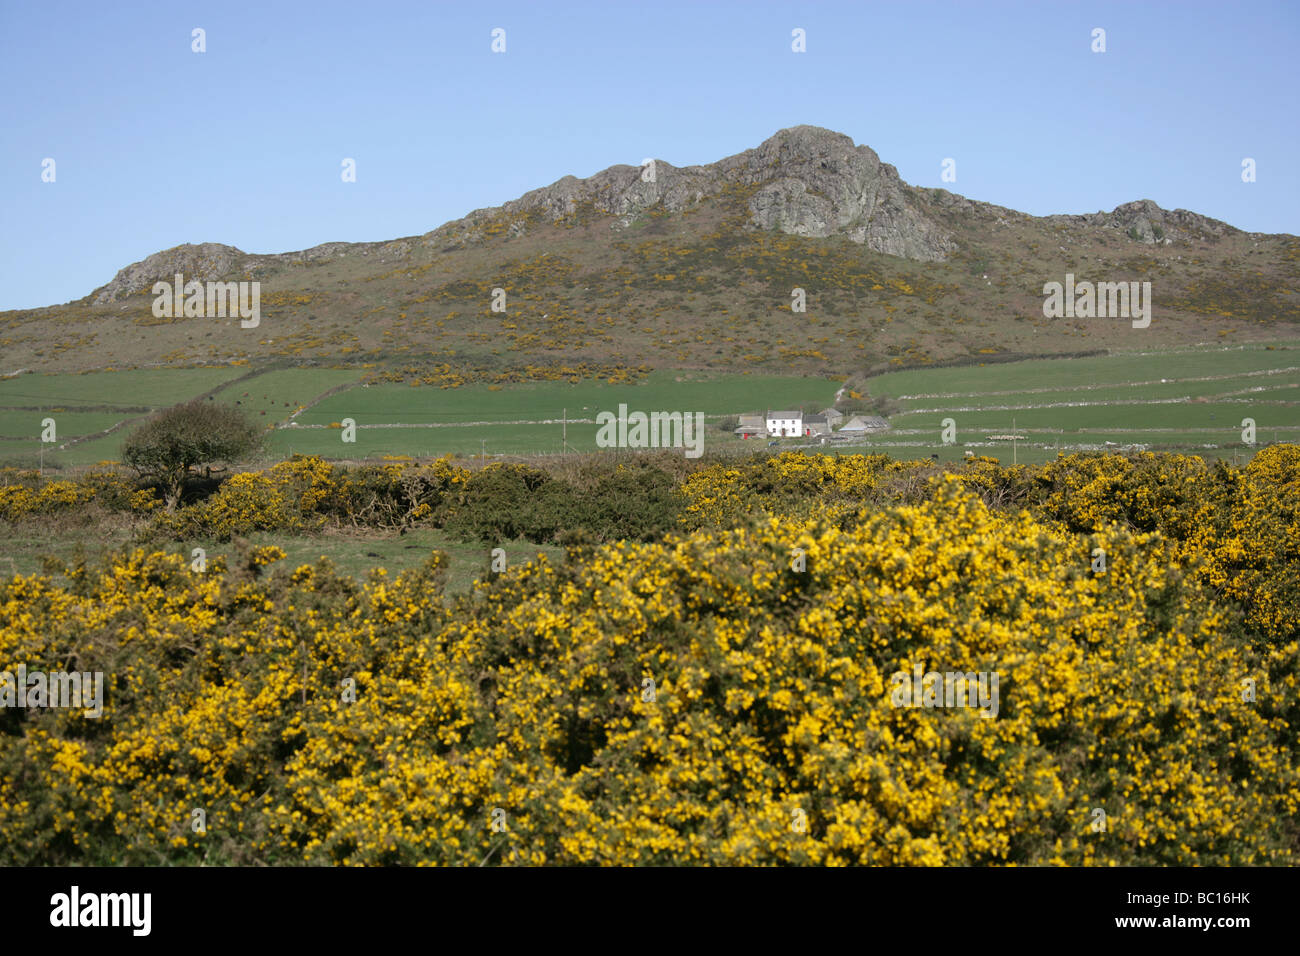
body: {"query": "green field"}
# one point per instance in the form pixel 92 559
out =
pixel 399 419
pixel 152 388
pixel 431 440
pixel 1191 399
pixel 130 396
pixel 526 418
pixel 276 394
pixel 88 404
pixel 544 401
pixel 25 426
pixel 1118 367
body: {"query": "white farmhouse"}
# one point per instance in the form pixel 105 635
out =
pixel 785 424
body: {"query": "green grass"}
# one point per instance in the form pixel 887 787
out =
pixel 1282 385
pixel 1213 417
pixel 90 452
pixel 431 441
pixel 526 418
pixel 1188 398
pixel 275 394
pixel 663 391
pixel 87 404
pixel 359 553
pixel 354 553
pixel 27 425
pixel 1115 369
pixel 268 398
pixel 513 419
pixel 154 388
pixel 1059 403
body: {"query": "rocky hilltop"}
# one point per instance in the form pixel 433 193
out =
pixel 810 182
pixel 692 267
pixel 805 181
pixel 1147 222
pixel 813 182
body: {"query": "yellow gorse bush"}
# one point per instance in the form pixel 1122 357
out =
pixel 29 496
pixel 720 697
pixel 302 494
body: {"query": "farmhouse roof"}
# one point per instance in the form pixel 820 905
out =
pixel 864 423
pixel 785 414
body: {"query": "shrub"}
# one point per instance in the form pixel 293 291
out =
pixel 772 695
pixel 172 443
pixel 636 503
pixel 495 504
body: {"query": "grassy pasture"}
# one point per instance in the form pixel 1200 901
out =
pixel 25 426
pixel 420 441
pixel 1186 398
pixel 270 396
pixel 526 418
pixel 675 391
pixel 514 419
pixel 1119 368
pixel 134 388
pixel 1189 398
pixel 356 553
pixel 1279 385
pixel 1210 416
pixel 86 404
pixel 275 394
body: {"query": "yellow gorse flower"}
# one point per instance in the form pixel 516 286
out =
pixel 700 699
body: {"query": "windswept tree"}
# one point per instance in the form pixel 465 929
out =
pixel 172 443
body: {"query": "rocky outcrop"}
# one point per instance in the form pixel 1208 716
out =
pixel 811 182
pixel 212 260
pixel 1151 224
pixel 205 260
pixel 816 183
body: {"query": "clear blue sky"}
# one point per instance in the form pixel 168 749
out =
pixel 156 145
